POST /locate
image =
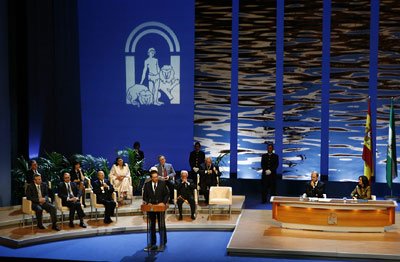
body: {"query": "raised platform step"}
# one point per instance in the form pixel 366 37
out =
pixel 17 236
pixel 12 216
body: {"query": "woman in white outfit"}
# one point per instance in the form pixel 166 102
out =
pixel 120 177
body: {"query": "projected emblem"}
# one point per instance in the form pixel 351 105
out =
pixel 148 82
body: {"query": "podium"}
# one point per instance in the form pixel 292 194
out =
pixel 153 210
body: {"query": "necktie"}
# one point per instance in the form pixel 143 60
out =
pixel 70 192
pixel 165 171
pixel 39 191
pixel 155 186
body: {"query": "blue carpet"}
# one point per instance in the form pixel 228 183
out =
pixel 182 246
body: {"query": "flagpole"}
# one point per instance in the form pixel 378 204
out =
pixel 393 157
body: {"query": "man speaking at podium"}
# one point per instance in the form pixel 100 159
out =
pixel 156 193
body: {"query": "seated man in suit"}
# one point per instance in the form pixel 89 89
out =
pixel 70 195
pixel 104 190
pixel 156 193
pixel 196 160
pixel 208 177
pixel 37 192
pixel 185 188
pixel 34 170
pixel 315 188
pixel 167 172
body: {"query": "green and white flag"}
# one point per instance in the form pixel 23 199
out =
pixel 391 161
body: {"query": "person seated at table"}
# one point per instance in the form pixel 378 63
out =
pixel 362 190
pixel 208 177
pixel 79 179
pixel 185 188
pixel 70 195
pixel 315 188
pixel 104 190
pixel 120 177
pixel 167 172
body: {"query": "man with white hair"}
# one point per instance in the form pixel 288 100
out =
pixel 208 177
pixel 185 188
pixel 104 190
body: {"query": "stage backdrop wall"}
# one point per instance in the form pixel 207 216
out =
pixel 137 64
pixel 306 70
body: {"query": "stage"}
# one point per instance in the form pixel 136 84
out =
pixel 130 219
pixel 258 234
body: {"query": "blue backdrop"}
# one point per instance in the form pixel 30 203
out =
pixel 136 66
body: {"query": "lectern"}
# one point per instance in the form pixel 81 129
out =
pixel 161 225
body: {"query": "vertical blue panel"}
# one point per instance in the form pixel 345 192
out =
pixel 257 77
pixel 302 89
pixel 279 81
pixel 388 81
pixel 326 44
pixel 212 90
pixel 373 70
pixel 349 88
pixel 117 112
pixel 234 85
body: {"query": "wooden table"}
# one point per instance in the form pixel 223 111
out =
pixel 334 214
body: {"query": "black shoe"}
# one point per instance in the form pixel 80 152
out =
pixel 82 225
pixel 153 247
pixel 193 217
pixel 171 201
pixel 108 221
pixel 55 227
pixel 180 217
pixel 71 224
pixel 41 227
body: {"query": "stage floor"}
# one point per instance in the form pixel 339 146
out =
pixel 130 220
pixel 258 234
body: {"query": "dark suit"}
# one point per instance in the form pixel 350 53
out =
pixel 170 172
pixel 160 195
pixel 32 194
pixel 105 198
pixel 63 194
pixel 207 180
pixel 317 191
pixel 29 176
pixel 185 192
pixel 268 162
pixel 76 175
pixel 196 159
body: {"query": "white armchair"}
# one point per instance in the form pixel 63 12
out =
pixel 59 206
pixel 220 195
pixel 93 204
pixel 27 210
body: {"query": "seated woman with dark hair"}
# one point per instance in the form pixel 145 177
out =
pixel 120 178
pixel 79 179
pixel 362 190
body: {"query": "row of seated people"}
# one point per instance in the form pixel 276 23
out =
pixel 71 196
pixel 316 188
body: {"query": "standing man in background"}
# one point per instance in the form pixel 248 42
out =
pixel 269 164
pixel 196 160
